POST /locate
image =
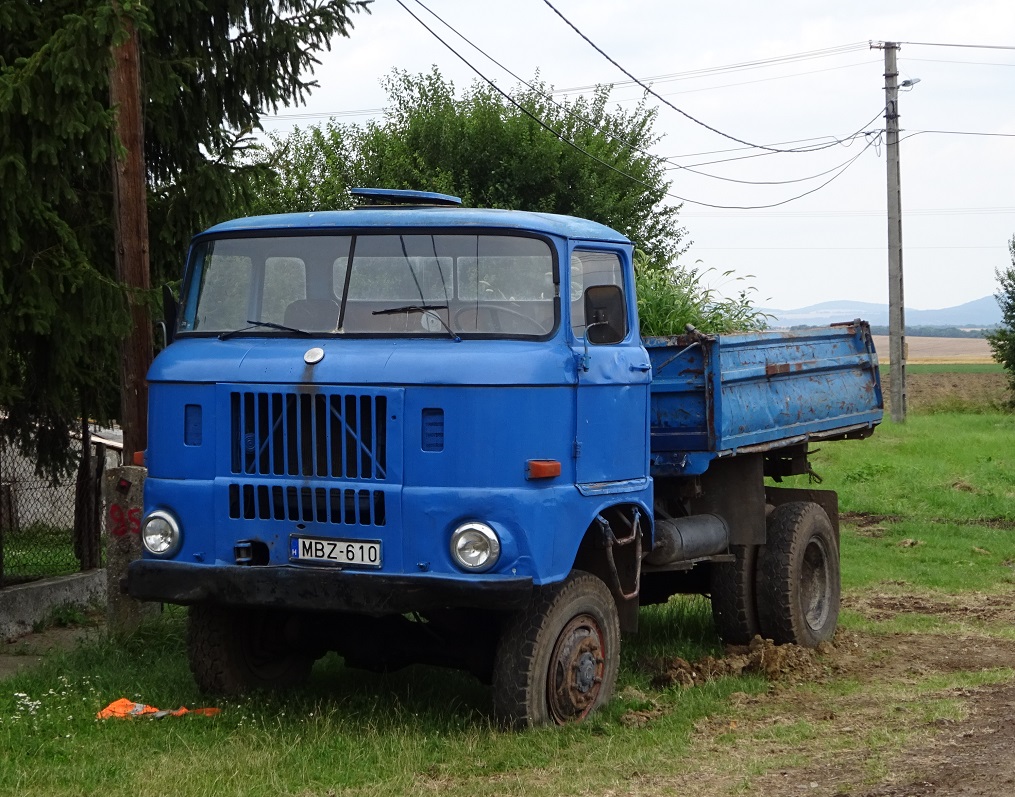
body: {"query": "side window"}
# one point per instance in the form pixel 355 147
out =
pixel 587 269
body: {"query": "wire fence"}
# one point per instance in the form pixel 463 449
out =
pixel 37 518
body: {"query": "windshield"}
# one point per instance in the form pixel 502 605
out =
pixel 478 285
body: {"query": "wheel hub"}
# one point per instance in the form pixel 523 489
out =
pixel 576 670
pixel 815 584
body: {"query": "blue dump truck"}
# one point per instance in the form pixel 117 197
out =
pixel 415 432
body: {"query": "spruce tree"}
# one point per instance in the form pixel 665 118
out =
pixel 209 68
pixel 1002 340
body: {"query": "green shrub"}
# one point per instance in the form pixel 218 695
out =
pixel 669 299
pixel 1002 339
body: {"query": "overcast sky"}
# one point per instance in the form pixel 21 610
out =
pixel 958 191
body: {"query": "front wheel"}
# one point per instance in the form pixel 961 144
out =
pixel 232 651
pixel 557 659
pixel 798 588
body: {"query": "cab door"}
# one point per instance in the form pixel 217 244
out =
pixel 613 371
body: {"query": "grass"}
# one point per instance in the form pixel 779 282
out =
pixel 361 733
pixel 948 368
pixel 930 514
pixel 932 500
pixel 38 551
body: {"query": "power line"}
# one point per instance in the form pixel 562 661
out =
pixel 741 149
pixel 589 123
pixel 322 114
pixel 970 46
pixel 843 214
pixel 828 248
pixel 768 79
pixel 762 182
pixel 708 71
pixel 835 176
pixel 548 97
pixel 600 161
pixel 846 142
pixel 520 107
pixel 648 89
pixel 948 61
pixel 958 133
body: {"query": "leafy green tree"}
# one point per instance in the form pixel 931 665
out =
pixel 210 68
pixel 1002 340
pixel 492 152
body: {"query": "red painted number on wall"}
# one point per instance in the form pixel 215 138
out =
pixel 120 522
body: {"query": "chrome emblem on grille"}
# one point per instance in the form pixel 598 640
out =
pixel 313 356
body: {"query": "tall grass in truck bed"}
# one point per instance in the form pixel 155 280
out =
pixel 670 299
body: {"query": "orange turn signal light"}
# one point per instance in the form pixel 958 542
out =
pixel 139 458
pixel 542 468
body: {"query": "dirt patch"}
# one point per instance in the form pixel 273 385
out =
pixel 867 524
pixel 925 392
pixel 761 656
pixel 971 607
pixel 880 737
pixel 898 715
pixel 958 390
pixel 973 757
pixel 31 650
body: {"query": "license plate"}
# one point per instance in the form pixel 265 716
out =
pixel 361 553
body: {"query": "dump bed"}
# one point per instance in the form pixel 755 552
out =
pixel 719 395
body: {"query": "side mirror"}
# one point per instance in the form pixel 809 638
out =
pixel 169 312
pixel 605 315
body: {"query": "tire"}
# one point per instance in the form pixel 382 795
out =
pixel 557 660
pixel 234 651
pixel 798 576
pixel 734 602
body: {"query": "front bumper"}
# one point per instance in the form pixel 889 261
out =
pixel 319 589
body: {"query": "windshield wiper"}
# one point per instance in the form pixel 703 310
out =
pixel 256 324
pixel 409 308
pixel 421 308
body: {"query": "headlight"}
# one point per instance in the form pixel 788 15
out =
pixel 475 547
pixel 160 534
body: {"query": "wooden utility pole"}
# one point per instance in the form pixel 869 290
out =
pixel 896 297
pixel 130 221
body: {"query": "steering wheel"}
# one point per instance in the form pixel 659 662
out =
pixel 496 309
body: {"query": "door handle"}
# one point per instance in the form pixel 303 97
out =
pixel 640 367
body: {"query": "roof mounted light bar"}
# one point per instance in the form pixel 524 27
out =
pixel 394 196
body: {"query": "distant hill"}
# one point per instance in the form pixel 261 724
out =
pixel 979 313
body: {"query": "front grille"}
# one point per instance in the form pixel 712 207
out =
pixel 347 506
pixel 336 435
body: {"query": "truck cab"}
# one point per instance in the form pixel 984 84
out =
pixel 391 410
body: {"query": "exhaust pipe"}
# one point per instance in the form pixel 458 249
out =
pixel 684 538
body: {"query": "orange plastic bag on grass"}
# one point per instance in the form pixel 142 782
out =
pixel 125 709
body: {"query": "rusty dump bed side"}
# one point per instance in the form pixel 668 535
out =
pixel 719 395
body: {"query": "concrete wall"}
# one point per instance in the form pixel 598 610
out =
pixel 22 606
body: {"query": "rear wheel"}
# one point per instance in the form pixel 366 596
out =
pixel 557 660
pixel 734 603
pixel 232 651
pixel 798 576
